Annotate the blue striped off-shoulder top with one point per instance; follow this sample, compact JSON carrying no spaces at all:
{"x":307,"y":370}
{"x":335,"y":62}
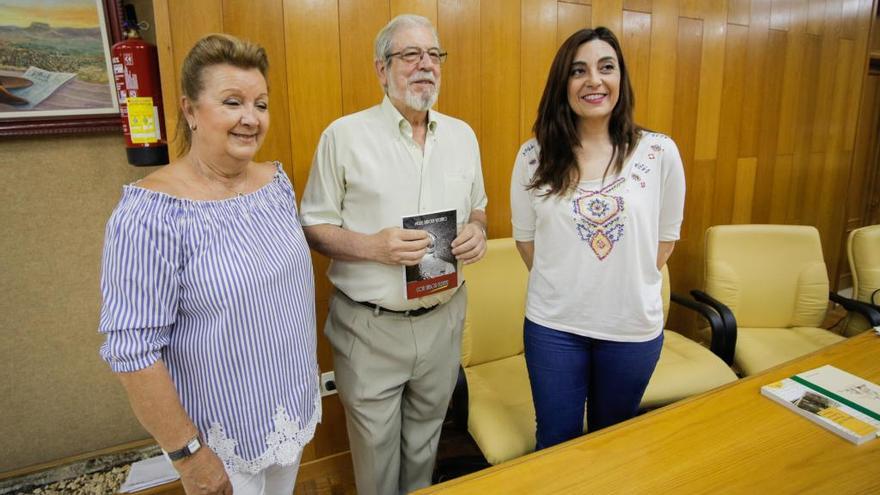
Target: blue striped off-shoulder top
{"x":223,"y":293}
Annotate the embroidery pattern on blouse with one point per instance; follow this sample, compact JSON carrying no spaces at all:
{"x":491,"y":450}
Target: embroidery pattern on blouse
{"x":598,"y":217}
{"x":283,"y":445}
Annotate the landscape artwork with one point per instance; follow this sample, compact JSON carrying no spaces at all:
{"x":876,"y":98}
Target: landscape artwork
{"x":54,"y":59}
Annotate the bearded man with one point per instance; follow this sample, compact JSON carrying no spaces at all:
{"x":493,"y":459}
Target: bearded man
{"x":396,"y":359}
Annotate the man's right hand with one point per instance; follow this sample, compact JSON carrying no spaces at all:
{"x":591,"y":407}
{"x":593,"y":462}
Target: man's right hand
{"x":397,"y":246}
{"x":203,"y":474}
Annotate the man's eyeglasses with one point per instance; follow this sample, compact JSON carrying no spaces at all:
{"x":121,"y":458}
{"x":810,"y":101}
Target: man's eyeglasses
{"x":412,"y":55}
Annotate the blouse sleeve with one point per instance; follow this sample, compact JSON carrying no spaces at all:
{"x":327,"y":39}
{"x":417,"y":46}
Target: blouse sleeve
{"x":521,"y":209}
{"x":672,"y":193}
{"x":139,"y":285}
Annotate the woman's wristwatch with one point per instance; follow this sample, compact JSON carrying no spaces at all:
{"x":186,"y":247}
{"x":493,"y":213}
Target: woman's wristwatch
{"x":189,"y":449}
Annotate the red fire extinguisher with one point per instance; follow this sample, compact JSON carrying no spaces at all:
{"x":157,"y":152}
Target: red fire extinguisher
{"x":136,"y":71}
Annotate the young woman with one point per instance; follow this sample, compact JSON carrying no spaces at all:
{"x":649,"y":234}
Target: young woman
{"x":597,"y":204}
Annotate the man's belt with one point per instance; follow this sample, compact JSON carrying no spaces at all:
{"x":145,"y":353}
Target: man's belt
{"x":377,"y":310}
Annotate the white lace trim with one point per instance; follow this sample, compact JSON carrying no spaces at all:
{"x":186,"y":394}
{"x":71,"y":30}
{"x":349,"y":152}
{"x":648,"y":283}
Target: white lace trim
{"x":283,"y":445}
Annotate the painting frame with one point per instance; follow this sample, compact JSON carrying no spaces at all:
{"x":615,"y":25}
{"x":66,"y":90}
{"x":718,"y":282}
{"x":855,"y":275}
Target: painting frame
{"x":81,"y":123}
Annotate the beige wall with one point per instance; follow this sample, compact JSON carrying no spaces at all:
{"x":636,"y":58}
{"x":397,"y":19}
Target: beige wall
{"x":57,"y":398}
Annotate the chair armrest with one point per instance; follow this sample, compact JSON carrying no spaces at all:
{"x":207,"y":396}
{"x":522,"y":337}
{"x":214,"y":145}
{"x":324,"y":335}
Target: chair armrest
{"x":868,"y":311}
{"x":723,"y":338}
{"x":728,"y":345}
{"x":459,"y":402}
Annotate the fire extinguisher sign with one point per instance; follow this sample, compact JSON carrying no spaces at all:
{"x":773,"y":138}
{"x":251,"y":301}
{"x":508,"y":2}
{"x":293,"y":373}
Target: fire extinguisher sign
{"x":142,"y":120}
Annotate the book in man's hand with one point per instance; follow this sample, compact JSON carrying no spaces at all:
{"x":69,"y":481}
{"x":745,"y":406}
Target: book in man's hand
{"x":438,"y":270}
{"x":832,"y":398}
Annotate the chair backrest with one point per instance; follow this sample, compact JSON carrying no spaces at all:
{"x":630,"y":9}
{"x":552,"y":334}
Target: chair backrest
{"x":497,"y":287}
{"x":770,"y":276}
{"x":863,"y":250}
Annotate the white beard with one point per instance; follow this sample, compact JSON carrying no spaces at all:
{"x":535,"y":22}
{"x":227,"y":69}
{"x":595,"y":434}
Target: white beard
{"x":420,"y":102}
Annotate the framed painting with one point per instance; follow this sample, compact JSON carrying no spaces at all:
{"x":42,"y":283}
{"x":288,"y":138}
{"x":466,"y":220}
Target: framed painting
{"x":55,"y":72}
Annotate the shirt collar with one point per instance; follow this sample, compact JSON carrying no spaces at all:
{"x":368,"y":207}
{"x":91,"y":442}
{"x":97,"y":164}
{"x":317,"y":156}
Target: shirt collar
{"x":399,"y":123}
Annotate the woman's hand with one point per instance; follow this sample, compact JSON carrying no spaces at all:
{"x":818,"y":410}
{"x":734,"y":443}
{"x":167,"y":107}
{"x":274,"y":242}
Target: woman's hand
{"x":203,"y":474}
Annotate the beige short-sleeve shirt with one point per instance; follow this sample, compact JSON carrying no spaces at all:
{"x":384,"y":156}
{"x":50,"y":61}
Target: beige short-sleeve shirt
{"x":368,"y":173}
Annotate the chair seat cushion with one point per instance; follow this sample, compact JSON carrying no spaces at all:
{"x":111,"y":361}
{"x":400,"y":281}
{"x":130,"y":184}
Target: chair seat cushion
{"x":685,"y":368}
{"x":501,"y":416}
{"x":760,"y":348}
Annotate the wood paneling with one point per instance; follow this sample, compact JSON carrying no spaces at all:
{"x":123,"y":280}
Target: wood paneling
{"x":571,"y":18}
{"x":359,"y":21}
{"x":262,"y":21}
{"x":460,"y":35}
{"x":500,"y":105}
{"x":538,"y":47}
{"x":762,"y":97}
{"x":636,"y":44}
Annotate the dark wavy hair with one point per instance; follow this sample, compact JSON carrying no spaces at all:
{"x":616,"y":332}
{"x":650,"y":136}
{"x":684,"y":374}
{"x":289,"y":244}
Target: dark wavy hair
{"x":556,"y":125}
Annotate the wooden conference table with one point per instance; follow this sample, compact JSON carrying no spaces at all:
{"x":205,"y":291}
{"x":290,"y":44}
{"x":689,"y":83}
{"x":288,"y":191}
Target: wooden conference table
{"x":730,"y":440}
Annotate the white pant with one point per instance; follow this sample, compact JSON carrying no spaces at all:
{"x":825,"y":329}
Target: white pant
{"x":274,"y":480}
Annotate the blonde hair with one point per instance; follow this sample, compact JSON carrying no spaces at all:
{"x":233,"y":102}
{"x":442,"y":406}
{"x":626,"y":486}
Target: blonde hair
{"x":214,"y":49}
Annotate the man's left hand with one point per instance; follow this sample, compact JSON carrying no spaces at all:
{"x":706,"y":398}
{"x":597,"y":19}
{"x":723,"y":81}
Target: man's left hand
{"x":470,"y":245}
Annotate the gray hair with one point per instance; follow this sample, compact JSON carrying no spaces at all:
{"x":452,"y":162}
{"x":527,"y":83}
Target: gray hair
{"x":386,"y":35}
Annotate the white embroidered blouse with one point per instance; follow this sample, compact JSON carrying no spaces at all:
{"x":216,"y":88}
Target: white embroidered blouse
{"x":594,"y":270}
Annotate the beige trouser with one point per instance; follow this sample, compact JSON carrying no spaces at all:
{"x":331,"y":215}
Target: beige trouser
{"x":395,"y":375}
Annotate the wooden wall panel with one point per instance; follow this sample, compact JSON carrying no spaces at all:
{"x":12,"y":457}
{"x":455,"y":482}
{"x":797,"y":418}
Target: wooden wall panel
{"x":168,"y":69}
{"x":314,"y":77}
{"x":571,"y":18}
{"x":637,"y":6}
{"x":711,"y":80}
{"x":359,"y":22}
{"x":816,"y":17}
{"x":738,"y":12}
{"x":500,"y":23}
{"x":314,"y":85}
{"x":461,"y":90}
{"x":425,"y":8}
{"x":768,"y":127}
{"x":762,"y":97}
{"x":538,"y":48}
{"x":262,"y":21}
{"x":460,"y":32}
{"x":788,"y":104}
{"x":755,"y":76}
{"x":684,"y":115}
{"x":728,"y":133}
{"x":635,"y":41}
{"x":608,"y":14}
{"x":661,"y":88}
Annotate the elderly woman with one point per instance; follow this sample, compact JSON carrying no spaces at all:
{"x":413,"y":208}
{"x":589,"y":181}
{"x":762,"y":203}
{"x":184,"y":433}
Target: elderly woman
{"x":208,"y":290}
{"x":597,"y":204}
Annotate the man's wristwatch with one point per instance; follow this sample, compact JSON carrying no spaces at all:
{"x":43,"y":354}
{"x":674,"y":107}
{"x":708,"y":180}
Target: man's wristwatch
{"x":189,"y":449}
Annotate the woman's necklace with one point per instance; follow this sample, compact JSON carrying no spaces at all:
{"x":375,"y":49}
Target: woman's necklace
{"x":212,"y":184}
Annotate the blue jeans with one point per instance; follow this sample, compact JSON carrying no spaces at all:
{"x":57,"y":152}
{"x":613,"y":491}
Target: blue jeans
{"x":567,"y":370}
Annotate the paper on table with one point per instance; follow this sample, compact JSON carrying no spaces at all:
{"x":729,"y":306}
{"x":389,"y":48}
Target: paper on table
{"x":148,"y":473}
{"x":45,"y":83}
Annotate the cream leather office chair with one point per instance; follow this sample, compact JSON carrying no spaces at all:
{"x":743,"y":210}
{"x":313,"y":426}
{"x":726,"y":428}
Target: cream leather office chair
{"x":493,"y":397}
{"x":685,"y":368}
{"x":863,"y":251}
{"x":770,"y":284}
